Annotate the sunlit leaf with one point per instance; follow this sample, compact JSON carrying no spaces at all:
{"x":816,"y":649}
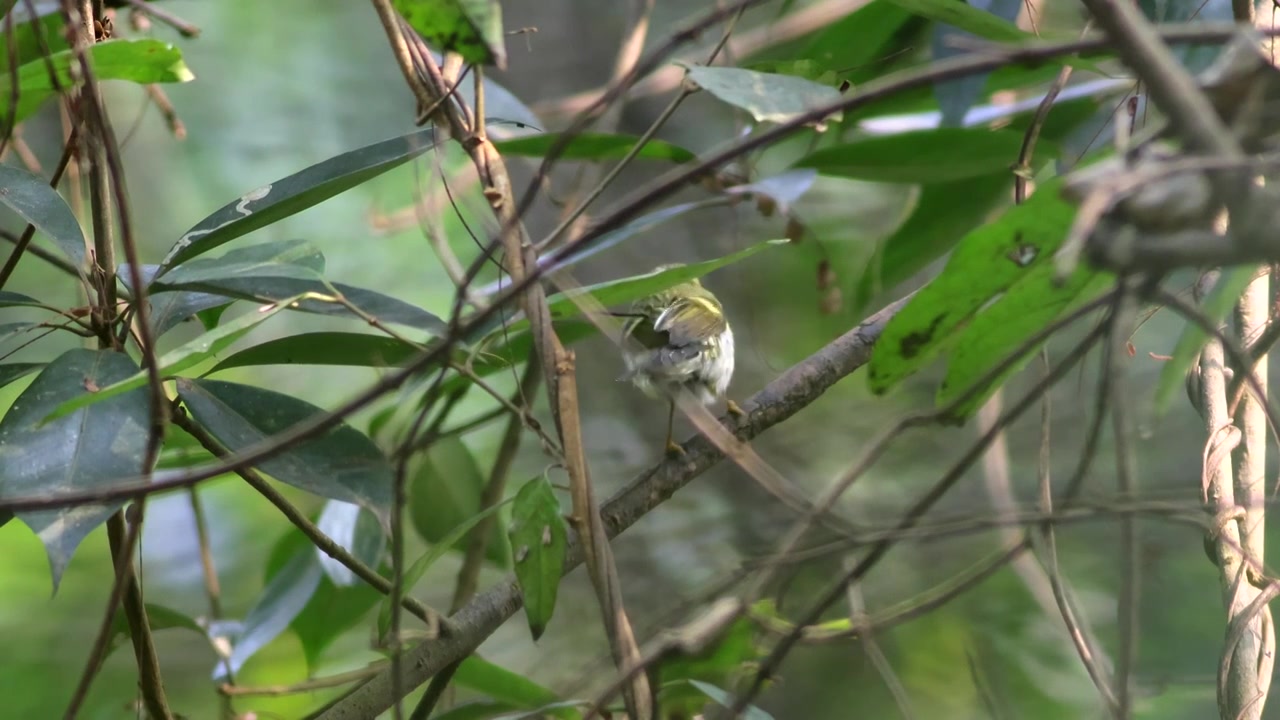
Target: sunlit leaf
{"x":539,"y":538}
{"x":31,"y":197}
{"x":181,"y":358}
{"x":340,"y":464}
{"x":90,"y":448}
{"x":295,"y":193}
{"x":444,"y":493}
{"x":471,"y":28}
{"x":927,"y":156}
{"x":281,"y":600}
{"x":140,"y":61}
{"x":594,"y":146}
{"x":1231,"y":284}
{"x":768,"y":97}
{"x":985,"y":264}
{"x":357,"y":531}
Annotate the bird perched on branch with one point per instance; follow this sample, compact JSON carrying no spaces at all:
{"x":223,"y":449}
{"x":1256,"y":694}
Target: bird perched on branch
{"x":679,"y":340}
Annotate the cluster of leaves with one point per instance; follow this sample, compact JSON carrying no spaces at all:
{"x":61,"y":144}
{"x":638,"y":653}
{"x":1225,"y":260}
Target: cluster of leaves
{"x":997,"y":289}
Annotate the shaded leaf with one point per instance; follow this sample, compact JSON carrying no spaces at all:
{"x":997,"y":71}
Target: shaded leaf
{"x":1231,"y":284}
{"x":444,"y":493}
{"x":295,"y":193}
{"x":159,"y":617}
{"x":539,"y":538}
{"x":594,"y":146}
{"x":943,"y":214}
{"x":13,"y":299}
{"x":341,"y":463}
{"x":957,"y":95}
{"x":927,"y":156}
{"x":986,"y":263}
{"x":281,"y":600}
{"x":784,"y":188}
{"x":331,"y":612}
{"x":860,"y":45}
{"x":140,"y":61}
{"x":501,"y":684}
{"x":768,"y":97}
{"x":471,"y":28}
{"x":31,"y":37}
{"x":963,"y":16}
{"x":31,"y":197}
{"x":325,"y":348}
{"x":16,"y":371}
{"x":274,"y":271}
{"x":724,"y":699}
{"x":179,"y":359}
{"x":357,"y":531}
{"x":419,"y":567}
{"x":170,"y":309}
{"x":92,"y":447}
{"x":476,"y":710}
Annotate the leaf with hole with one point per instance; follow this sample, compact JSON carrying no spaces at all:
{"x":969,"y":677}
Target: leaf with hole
{"x":90,"y":448}
{"x":927,"y":156}
{"x":181,"y":358}
{"x":444,"y":492}
{"x":273,"y":271}
{"x":768,"y":97}
{"x":340,"y":463}
{"x":31,"y":197}
{"x":141,"y":61}
{"x":539,"y":538}
{"x":985,"y":263}
{"x":283,"y":598}
{"x":594,"y":146}
{"x":471,"y":28}
{"x":290,"y":195}
{"x":1230,"y":285}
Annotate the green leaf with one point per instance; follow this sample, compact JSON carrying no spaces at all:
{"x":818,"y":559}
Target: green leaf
{"x":927,"y":156}
{"x":594,"y":146}
{"x":437,"y":550}
{"x":341,"y":464}
{"x":159,"y":617}
{"x":471,"y":28}
{"x":90,"y":448}
{"x":10,"y":372}
{"x":170,"y":309}
{"x":768,"y":97}
{"x":855,"y":47}
{"x":444,"y":493}
{"x":986,"y":263}
{"x":501,"y":684}
{"x":942,"y":215}
{"x":31,"y":37}
{"x":539,"y":538}
{"x":140,"y":61}
{"x":175,"y":361}
{"x":1231,"y":284}
{"x":31,"y":197}
{"x":284,"y":597}
{"x":273,"y":271}
{"x":722,"y":698}
{"x":476,"y":710}
{"x":965,"y":17}
{"x":357,"y":531}
{"x":325,"y":348}
{"x":295,"y":193}
{"x":13,"y":299}
{"x":1026,"y":308}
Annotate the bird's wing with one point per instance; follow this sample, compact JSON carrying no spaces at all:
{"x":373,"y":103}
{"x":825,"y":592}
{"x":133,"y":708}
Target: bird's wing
{"x":691,"y":320}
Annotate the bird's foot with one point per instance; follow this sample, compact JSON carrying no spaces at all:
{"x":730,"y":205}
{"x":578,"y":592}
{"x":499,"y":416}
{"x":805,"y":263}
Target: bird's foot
{"x":734,"y":410}
{"x":674,"y":449}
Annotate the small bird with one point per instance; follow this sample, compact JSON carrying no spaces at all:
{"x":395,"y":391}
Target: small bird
{"x":682,"y":341}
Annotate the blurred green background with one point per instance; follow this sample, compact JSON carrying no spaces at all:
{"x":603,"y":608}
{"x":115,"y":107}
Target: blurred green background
{"x":285,"y":84}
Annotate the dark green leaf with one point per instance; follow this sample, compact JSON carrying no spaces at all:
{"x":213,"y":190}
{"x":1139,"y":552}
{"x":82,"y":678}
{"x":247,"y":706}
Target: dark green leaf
{"x":341,"y":464}
{"x":331,"y":612}
{"x":501,"y":684}
{"x":471,"y":28}
{"x":942,"y":215}
{"x":171,"y":308}
{"x":965,"y":17}
{"x":420,"y":566}
{"x":274,"y":271}
{"x":357,"y":531}
{"x":31,"y":197}
{"x":985,"y":264}
{"x":539,"y":538}
{"x":91,"y":448}
{"x":295,"y":193}
{"x":159,"y":617}
{"x":477,"y":710}
{"x":1003,"y":327}
{"x":853,"y":47}
{"x":16,"y":371}
{"x":140,"y":61}
{"x":594,"y":146}
{"x":957,"y":95}
{"x":282,"y":599}
{"x":927,"y":156}
{"x":325,"y":348}
{"x":723,"y":698}
{"x":178,"y":359}
{"x":13,"y":299}
{"x":1231,"y":284}
{"x":768,"y":97}
{"x":445,"y":493}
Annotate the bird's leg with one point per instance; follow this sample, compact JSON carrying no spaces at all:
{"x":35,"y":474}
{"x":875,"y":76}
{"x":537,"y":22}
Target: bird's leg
{"x":673,"y":448}
{"x":732,"y":408}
